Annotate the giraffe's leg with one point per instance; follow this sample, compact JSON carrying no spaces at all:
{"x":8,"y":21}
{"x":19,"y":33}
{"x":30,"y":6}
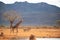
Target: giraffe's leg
{"x":10,"y":30}
{"x":16,"y":30}
{"x":13,"y":30}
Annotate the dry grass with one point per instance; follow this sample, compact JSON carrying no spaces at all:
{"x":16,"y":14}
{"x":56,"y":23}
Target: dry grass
{"x":27,"y":31}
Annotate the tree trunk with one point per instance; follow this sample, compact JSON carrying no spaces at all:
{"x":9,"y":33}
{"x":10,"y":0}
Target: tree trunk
{"x":11,"y":24}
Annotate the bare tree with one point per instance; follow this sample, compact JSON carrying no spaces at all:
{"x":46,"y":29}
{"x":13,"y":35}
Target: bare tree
{"x":12,"y":16}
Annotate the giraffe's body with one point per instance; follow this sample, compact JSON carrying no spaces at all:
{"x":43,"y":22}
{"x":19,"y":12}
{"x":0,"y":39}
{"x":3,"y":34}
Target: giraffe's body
{"x":16,"y":26}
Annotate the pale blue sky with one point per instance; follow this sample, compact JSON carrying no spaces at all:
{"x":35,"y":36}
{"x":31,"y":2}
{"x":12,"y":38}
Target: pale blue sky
{"x":53,"y":2}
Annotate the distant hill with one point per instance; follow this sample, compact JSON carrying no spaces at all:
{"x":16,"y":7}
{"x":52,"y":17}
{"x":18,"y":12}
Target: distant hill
{"x":33,"y":13}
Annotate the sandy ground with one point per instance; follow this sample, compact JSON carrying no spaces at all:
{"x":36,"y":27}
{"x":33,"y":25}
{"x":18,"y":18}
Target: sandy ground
{"x":26,"y":32}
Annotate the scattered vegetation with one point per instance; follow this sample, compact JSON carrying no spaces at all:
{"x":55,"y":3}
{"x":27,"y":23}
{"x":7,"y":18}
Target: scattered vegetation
{"x":58,"y":23}
{"x":2,"y":26}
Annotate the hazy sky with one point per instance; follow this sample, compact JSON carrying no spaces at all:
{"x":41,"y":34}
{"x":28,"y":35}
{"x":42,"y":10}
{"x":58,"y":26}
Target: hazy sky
{"x":53,"y":2}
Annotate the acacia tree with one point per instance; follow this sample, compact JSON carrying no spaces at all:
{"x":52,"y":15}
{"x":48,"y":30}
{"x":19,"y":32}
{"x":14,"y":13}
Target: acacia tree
{"x":12,"y":16}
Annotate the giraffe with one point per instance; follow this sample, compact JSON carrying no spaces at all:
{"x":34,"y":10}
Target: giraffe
{"x":16,"y":26}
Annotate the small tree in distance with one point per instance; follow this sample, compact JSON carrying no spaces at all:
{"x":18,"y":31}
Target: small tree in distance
{"x":58,"y":23}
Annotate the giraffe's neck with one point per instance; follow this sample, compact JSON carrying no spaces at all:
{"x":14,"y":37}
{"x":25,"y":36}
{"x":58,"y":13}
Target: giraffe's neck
{"x":17,"y":24}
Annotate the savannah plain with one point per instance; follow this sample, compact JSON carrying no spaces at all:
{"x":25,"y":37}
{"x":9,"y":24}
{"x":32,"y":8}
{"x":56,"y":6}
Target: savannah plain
{"x":26,"y":31}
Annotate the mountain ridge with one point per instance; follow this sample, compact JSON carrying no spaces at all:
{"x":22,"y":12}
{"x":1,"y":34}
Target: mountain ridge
{"x":33,"y":13}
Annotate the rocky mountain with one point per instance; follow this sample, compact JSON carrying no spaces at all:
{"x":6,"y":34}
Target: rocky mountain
{"x":33,"y":13}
